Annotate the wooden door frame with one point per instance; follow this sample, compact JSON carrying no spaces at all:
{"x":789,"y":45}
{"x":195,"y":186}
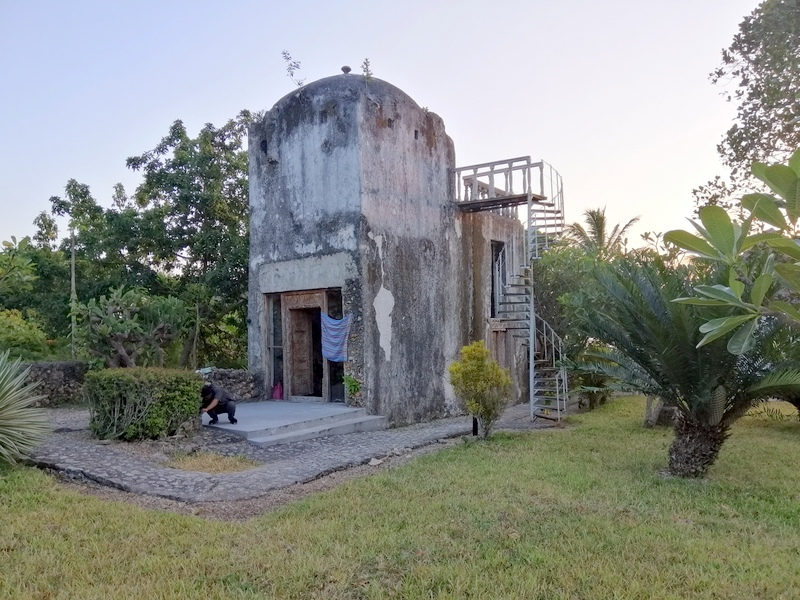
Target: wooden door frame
{"x":296,"y":301}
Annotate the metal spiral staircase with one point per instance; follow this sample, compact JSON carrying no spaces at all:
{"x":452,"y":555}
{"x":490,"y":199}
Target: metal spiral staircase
{"x":506,"y":187}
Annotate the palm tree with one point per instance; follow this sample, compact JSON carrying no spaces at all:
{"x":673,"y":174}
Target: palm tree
{"x":595,"y":238}
{"x":652,"y":348}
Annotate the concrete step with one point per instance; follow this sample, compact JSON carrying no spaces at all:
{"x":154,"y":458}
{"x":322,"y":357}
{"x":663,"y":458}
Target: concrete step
{"x":257,"y":420}
{"x":356,"y":425}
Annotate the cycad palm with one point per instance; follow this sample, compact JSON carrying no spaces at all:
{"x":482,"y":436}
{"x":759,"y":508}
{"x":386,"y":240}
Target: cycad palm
{"x":595,"y":237}
{"x":652,"y":345}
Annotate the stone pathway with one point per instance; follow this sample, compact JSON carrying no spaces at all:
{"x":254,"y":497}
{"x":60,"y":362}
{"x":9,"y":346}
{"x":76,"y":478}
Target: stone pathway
{"x":282,"y":465}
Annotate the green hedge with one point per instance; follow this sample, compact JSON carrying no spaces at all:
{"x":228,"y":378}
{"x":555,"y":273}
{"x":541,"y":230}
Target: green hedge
{"x":139,"y":403}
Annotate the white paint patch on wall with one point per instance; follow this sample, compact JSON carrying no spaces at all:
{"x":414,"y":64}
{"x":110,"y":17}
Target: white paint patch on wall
{"x":383,"y":305}
{"x":378,"y":239}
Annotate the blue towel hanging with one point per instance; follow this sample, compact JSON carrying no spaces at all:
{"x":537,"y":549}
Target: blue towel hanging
{"x":334,"y":337}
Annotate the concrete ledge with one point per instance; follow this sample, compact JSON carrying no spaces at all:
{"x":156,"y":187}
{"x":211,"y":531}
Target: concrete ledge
{"x":316,"y":272}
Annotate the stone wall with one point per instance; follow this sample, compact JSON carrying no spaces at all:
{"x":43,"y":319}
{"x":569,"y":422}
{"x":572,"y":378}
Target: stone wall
{"x":242,"y":385}
{"x":59,"y":382}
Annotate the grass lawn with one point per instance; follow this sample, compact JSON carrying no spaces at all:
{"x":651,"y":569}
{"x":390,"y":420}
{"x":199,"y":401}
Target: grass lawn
{"x":573,"y":513}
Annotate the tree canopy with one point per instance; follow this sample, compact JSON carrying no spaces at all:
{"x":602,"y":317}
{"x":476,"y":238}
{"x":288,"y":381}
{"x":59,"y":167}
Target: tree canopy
{"x":760,"y":73}
{"x":183,"y":233}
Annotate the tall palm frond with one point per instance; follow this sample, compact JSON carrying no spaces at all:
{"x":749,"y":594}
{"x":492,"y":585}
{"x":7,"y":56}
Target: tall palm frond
{"x":653,"y":346}
{"x":595,"y":237}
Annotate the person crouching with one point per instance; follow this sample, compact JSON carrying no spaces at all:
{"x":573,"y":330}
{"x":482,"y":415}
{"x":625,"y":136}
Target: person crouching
{"x":216,"y":401}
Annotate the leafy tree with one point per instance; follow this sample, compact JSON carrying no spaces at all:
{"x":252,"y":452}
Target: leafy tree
{"x":756,"y":292}
{"x":130,"y":327}
{"x":113,"y":246}
{"x":760,"y":72}
{"x":595,"y":237}
{"x":21,"y":337}
{"x":184,"y":234}
{"x":482,"y":385}
{"x":198,"y":189}
{"x":653,"y":348}
{"x":46,"y":235}
{"x":564,"y":288}
{"x":16,"y":269}
{"x":48,"y":296}
{"x":562,"y":273}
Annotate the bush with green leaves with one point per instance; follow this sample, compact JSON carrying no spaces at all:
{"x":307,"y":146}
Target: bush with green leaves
{"x":481,"y":384}
{"x":140,"y":403}
{"x":22,"y":337}
{"x":22,"y":426}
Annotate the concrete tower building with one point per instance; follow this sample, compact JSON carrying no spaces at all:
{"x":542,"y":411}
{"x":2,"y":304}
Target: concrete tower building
{"x":353,"y":212}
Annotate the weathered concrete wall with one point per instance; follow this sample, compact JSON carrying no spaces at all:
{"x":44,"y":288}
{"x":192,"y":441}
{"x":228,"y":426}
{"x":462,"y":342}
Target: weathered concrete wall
{"x":408,"y":287}
{"x":483,"y":229}
{"x":304,"y":198}
{"x":59,"y":382}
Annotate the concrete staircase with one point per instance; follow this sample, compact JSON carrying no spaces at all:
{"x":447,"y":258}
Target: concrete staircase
{"x":275,"y":422}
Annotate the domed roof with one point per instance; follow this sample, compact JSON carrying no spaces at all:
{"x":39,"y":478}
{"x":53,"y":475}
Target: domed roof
{"x":349,"y":87}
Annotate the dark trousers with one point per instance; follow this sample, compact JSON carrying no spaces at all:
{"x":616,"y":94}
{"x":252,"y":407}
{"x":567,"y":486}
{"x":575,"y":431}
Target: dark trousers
{"x":229,"y":407}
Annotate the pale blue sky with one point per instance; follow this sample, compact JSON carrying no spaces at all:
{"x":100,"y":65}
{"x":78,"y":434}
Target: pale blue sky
{"x":613,"y":93}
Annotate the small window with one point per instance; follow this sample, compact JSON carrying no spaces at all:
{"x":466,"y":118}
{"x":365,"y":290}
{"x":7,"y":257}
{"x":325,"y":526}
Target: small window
{"x":499,"y":277}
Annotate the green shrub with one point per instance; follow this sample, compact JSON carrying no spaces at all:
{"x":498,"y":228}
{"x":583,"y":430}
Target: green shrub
{"x":141,"y":403}
{"x":593,"y":390}
{"x":22,"y":337}
{"x":481,"y":384}
{"x":351,"y":385}
{"x":22,"y":426}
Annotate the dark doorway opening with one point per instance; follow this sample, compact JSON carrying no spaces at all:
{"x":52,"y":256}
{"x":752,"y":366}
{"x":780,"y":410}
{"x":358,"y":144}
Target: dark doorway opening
{"x":336,"y":369}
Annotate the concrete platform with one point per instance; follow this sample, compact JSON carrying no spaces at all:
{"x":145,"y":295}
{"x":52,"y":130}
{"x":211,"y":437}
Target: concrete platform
{"x":279,"y":422}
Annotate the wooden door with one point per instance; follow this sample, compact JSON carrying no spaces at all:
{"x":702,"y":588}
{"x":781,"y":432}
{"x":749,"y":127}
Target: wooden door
{"x":302,"y":353}
{"x":298,"y":310}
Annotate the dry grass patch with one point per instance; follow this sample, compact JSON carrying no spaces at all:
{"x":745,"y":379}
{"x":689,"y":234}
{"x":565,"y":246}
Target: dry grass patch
{"x":208,"y":462}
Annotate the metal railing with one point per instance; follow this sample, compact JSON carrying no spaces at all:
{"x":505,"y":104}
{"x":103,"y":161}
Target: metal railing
{"x":498,"y":179}
{"x":546,"y":354}
{"x":546,"y":221}
{"x":535,"y":184}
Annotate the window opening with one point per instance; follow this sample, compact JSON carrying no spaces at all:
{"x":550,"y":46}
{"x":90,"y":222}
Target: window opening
{"x":499,"y":277}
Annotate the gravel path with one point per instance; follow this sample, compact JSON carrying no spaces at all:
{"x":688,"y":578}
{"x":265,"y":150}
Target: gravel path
{"x":133,"y":472}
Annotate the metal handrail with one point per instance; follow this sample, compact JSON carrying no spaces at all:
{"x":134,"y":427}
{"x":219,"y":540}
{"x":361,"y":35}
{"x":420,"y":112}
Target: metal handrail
{"x":546,"y":224}
{"x":553,"y":353}
{"x":480,"y":181}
